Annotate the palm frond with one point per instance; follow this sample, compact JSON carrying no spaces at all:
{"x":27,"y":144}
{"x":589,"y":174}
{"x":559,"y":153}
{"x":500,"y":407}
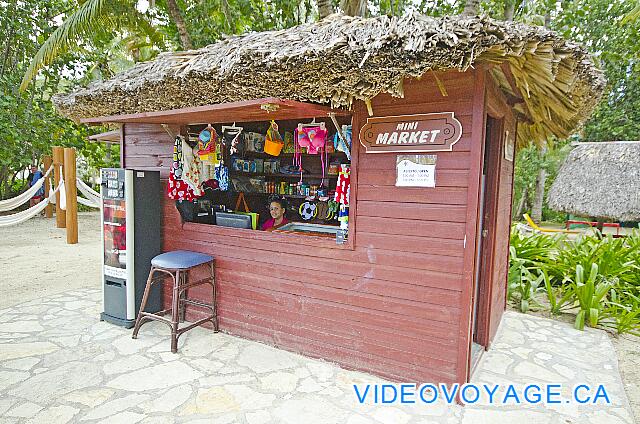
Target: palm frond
{"x":633,"y":15}
{"x":79,"y":23}
{"x":138,"y":23}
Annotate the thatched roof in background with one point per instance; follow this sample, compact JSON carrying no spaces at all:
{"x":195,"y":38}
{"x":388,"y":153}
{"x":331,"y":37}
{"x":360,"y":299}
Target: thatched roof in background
{"x":343,"y":58}
{"x":601,"y":180}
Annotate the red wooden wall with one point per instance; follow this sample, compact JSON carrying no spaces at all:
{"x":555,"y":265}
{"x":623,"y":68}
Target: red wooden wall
{"x":397,"y":304}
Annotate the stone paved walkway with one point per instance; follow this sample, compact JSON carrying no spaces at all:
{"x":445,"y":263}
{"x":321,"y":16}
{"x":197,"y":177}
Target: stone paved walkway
{"x":59,"y":364}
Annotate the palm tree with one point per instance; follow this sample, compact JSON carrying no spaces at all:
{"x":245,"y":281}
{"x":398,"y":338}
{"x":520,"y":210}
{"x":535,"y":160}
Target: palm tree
{"x":92,"y":17}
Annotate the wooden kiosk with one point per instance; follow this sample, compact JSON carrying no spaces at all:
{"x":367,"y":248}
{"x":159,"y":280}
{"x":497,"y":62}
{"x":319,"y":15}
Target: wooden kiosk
{"x":418,"y":290}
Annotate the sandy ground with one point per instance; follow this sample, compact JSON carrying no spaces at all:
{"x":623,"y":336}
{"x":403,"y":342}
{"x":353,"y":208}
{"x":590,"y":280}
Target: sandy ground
{"x":36,"y":249}
{"x":628,"y":350}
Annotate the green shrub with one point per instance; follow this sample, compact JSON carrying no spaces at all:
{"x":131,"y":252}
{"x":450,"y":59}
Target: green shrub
{"x":622,"y":315}
{"x":613,"y":257}
{"x":590,"y":295}
{"x":609,"y":296}
{"x":522,"y":284}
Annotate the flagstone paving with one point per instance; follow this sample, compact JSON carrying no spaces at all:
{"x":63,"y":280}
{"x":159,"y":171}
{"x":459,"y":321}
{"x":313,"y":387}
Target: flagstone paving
{"x":60,"y":364}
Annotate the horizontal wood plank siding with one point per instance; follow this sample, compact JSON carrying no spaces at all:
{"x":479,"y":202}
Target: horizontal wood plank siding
{"x":149,"y":147}
{"x":390,"y":305}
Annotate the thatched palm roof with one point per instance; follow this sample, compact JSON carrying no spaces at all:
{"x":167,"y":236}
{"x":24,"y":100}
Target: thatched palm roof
{"x":601,"y":180}
{"x":343,"y":58}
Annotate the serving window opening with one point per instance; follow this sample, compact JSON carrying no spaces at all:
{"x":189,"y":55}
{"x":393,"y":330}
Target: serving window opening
{"x":284,"y":176}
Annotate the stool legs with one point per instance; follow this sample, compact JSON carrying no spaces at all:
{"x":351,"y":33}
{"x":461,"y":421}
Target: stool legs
{"x":179,"y":299}
{"x":175,"y":306}
{"x":213,"y":295}
{"x":184,"y":294}
{"x":145,"y":296}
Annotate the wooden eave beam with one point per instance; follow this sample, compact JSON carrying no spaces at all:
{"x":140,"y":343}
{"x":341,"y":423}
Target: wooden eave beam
{"x":242,"y":111}
{"x":107,"y":137}
{"x":506,"y":70}
{"x":517,"y":97}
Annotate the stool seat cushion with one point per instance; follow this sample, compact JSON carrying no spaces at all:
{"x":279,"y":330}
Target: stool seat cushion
{"x":180,"y":259}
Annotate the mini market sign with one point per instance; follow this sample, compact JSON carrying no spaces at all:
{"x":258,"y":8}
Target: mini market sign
{"x":428,"y":132}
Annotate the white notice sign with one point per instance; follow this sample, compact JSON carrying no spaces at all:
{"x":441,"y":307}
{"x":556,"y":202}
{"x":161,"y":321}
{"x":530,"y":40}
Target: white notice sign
{"x":416,"y":170}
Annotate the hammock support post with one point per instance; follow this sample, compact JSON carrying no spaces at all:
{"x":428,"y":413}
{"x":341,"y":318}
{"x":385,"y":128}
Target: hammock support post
{"x":71,"y":191}
{"x":58,"y":162}
{"x":48,"y":211}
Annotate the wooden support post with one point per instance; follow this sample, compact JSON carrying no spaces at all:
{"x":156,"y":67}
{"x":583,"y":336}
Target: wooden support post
{"x":58,"y":164}
{"x":72,"y":194}
{"x":48,"y":211}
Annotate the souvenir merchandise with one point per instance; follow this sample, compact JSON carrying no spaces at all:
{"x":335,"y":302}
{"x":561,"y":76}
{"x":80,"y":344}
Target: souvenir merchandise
{"x":343,"y":185}
{"x":237,"y":164}
{"x":291,"y":170}
{"x":334,"y":168}
{"x":222,"y":176}
{"x":187,"y":210}
{"x":308,"y":210}
{"x":344,"y":145}
{"x":259,"y":165}
{"x":211,"y":184}
{"x":289,"y":146}
{"x":254,"y":142}
{"x":343,"y":217}
{"x":271,"y":166}
{"x":273,"y":141}
{"x":208,"y":171}
{"x":314,"y":139}
{"x":249,"y":167}
{"x":208,"y":146}
{"x":333,"y":209}
{"x":322,"y":210}
{"x":233,"y":138}
{"x":254,"y":215}
{"x":176,"y":188}
{"x":191,"y":165}
{"x":330,"y":146}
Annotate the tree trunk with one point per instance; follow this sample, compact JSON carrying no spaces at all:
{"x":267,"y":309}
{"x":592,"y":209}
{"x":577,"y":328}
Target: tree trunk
{"x":522,"y":203}
{"x":324,"y":8}
{"x":538,"y":196}
{"x":354,"y":7}
{"x":175,"y":14}
{"x":471,"y":8}
{"x":509,"y":9}
{"x":547,"y":19}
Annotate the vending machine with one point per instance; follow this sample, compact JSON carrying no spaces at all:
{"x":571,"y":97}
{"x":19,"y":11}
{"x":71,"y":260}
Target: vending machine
{"x":131,"y":215}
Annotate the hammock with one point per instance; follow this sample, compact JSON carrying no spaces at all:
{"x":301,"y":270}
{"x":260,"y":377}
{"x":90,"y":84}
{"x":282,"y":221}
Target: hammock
{"x":91,"y":195}
{"x":14,"y":202}
{"x":17,"y":218}
{"x":88,"y":202}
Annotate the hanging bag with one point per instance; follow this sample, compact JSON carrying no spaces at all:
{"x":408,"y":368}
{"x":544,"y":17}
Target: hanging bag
{"x":254,"y":215}
{"x":208,"y":148}
{"x":177,"y":189}
{"x":273,"y":142}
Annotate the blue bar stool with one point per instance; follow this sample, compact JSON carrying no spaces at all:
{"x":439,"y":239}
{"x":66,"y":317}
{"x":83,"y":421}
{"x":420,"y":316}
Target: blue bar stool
{"x":177,"y":264}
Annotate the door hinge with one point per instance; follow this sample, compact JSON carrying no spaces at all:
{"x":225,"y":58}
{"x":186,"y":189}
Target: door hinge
{"x":464,"y":243}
